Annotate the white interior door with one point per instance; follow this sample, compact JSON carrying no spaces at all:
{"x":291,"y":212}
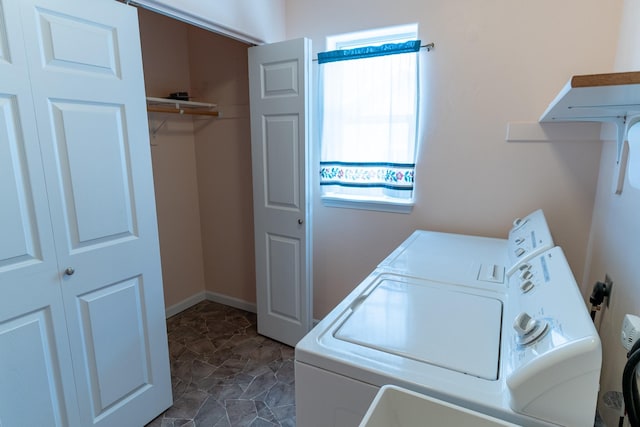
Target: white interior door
{"x":88,"y":90}
{"x":279,"y":92}
{"x":36,"y":376}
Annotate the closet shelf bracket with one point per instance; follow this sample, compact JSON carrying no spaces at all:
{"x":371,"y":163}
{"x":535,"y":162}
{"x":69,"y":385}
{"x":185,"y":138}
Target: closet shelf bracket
{"x":155,"y":131}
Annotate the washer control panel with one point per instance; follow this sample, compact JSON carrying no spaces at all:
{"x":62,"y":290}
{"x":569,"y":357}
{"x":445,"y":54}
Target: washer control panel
{"x":529,"y":275}
{"x":552,"y":348}
{"x":528,"y":237}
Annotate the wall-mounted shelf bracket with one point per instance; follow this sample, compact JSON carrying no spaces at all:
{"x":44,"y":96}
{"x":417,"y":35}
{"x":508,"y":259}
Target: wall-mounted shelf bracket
{"x":623,"y":126}
{"x":155,"y":130}
{"x":604,"y":98}
{"x":623,"y":153}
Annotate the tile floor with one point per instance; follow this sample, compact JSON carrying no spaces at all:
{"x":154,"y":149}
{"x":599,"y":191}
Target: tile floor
{"x":224,"y":374}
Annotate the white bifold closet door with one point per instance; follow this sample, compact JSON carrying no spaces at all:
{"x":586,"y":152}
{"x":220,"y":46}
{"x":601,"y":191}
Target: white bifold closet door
{"x":82,"y":326}
{"x":281,"y":164}
{"x":36,"y":376}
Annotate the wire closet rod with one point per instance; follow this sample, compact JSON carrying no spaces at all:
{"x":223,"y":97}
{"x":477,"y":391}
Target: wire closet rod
{"x":427,"y":46}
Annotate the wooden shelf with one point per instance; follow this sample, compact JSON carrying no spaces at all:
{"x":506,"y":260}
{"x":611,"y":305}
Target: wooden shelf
{"x":597,"y":98}
{"x":609,"y":79}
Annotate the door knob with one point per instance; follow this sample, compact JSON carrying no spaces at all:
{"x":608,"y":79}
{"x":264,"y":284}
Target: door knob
{"x":69,"y":271}
{"x":300,"y":221}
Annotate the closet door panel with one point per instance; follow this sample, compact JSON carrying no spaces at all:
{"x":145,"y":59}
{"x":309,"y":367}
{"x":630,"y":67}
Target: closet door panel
{"x":59,"y":36}
{"x":36,"y":376}
{"x":91,"y":112}
{"x":118,"y":357}
{"x":18,"y":226}
{"x":30,"y":379}
{"x":24,"y":223}
{"x":101,"y":166}
{"x":4,"y":37}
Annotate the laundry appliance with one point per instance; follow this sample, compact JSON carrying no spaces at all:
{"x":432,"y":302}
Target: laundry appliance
{"x":469,"y":259}
{"x":469,"y":320}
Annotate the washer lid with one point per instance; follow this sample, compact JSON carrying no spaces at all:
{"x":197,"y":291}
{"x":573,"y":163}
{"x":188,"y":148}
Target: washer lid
{"x":434,"y":324}
{"x":452,"y":258}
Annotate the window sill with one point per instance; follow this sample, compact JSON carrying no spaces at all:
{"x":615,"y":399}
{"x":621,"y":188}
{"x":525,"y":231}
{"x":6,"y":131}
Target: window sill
{"x":381,"y":205}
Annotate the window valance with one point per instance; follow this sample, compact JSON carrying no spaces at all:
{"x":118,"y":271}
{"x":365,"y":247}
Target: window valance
{"x":368,"y":51}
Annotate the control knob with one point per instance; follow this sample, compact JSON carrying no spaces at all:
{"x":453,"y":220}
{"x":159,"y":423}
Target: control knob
{"x":526,"y":274}
{"x":526,"y":286}
{"x":529,"y":329}
{"x":519,"y":222}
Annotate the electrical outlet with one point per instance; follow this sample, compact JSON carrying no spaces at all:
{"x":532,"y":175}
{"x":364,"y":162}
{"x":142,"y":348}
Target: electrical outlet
{"x":609,"y":283}
{"x":630,"y":331}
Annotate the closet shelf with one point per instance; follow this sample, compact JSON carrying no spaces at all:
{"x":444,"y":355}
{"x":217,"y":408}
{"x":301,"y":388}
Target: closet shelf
{"x":177,"y":106}
{"x":611,"y":98}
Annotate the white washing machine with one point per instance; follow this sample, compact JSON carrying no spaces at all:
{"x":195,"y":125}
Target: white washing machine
{"x":470,"y":259}
{"x":518,"y":346}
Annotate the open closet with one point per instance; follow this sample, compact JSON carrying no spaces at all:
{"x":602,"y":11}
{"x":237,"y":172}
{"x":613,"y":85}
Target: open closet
{"x":201,"y":162}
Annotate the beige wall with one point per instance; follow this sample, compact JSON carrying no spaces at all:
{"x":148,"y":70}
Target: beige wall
{"x":615,"y":233}
{"x":166,"y":69}
{"x":202,"y":166}
{"x":223,"y":152}
{"x":494,"y":62}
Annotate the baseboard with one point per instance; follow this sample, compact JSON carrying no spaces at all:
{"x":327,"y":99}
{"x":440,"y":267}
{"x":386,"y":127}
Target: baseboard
{"x":184,"y":304}
{"x":211,"y":296}
{"x":231,"y":301}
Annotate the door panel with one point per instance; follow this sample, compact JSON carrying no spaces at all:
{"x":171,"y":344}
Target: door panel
{"x":18,"y":226}
{"x":59,"y":36}
{"x":282,"y":169}
{"x":117,"y":355}
{"x":30,"y":372}
{"x":101,"y":166}
{"x":278,"y":88}
{"x":4,"y":36}
{"x":280,"y":78}
{"x":36,"y":376}
{"x":91,"y":112}
{"x":283,"y":299}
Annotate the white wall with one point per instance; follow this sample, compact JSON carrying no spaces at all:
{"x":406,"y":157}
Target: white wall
{"x":252,"y":21}
{"x":494,"y":62}
{"x":615,"y":234}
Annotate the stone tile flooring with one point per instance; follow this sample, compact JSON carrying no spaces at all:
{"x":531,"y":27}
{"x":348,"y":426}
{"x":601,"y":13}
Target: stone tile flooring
{"x":224,"y":374}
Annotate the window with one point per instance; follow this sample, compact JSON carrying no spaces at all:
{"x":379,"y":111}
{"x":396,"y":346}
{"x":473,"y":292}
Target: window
{"x":369,"y":119}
